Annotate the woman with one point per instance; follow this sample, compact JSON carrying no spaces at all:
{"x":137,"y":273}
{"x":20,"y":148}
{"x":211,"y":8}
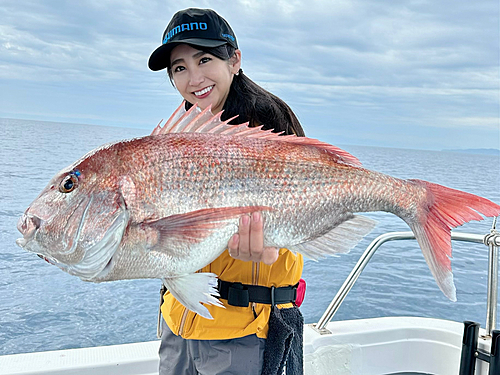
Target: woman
{"x":201,"y":55}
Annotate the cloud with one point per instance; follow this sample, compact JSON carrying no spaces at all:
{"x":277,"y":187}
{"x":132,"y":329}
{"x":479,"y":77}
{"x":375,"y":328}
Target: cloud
{"x":425,"y":63}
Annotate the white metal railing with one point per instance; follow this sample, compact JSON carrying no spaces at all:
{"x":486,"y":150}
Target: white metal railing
{"x":492,"y":240}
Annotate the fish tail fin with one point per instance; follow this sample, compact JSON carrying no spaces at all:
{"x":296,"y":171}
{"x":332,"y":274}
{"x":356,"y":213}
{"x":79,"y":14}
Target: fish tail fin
{"x":443,"y":210}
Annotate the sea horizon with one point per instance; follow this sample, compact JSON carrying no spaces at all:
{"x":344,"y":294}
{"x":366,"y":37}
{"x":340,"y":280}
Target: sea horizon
{"x":483,"y":151}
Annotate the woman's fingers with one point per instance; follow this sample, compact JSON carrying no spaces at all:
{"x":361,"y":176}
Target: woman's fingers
{"x":248,"y":243}
{"x":256,"y":237}
{"x":244,"y":238}
{"x":233,"y":245}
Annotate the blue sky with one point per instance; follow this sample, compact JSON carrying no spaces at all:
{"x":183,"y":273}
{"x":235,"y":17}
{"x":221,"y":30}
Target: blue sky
{"x":410,"y":74}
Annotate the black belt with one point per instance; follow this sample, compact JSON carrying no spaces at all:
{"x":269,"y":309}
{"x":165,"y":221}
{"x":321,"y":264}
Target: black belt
{"x":238,"y":294}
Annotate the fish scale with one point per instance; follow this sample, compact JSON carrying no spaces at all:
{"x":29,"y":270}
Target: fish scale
{"x":165,"y":205}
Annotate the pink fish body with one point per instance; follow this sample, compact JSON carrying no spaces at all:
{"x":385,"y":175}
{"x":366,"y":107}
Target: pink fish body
{"x":165,"y":205}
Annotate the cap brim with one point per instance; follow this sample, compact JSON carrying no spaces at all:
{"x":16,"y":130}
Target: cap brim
{"x":160,"y":58}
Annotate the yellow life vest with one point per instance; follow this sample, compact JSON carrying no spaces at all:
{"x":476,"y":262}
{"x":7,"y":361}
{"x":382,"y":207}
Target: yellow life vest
{"x":232,"y":321}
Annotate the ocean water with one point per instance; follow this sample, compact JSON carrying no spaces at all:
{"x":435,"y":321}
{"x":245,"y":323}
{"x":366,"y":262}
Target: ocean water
{"x":43,"y":308}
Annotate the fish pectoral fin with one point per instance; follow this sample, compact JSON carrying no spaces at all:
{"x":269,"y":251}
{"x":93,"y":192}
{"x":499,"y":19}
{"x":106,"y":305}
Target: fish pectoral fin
{"x":195,"y":226}
{"x":194,"y":289}
{"x":339,"y":240}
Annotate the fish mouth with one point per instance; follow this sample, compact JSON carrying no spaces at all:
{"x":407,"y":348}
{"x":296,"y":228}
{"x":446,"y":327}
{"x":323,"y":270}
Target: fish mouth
{"x":28,"y":225}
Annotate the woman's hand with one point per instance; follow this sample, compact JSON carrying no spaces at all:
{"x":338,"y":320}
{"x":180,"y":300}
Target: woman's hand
{"x":248,"y":243}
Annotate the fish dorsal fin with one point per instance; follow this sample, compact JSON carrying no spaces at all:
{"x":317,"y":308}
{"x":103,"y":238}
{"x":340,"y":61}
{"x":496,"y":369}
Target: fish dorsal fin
{"x":196,"y":120}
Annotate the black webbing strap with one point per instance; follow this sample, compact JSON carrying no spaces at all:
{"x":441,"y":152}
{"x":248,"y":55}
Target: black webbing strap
{"x":238,"y":294}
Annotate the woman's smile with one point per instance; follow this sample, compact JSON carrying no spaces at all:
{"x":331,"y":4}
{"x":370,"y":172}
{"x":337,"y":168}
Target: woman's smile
{"x":201,"y":94}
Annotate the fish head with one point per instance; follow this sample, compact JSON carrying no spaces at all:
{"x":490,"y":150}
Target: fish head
{"x":76,"y":223}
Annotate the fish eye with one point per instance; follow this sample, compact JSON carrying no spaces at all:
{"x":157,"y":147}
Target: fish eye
{"x":68,"y":184}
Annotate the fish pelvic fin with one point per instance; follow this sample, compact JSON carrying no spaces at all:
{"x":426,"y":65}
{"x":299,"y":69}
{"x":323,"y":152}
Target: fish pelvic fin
{"x":193,"y":290}
{"x":196,"y":120}
{"x":197,"y":225}
{"x":338,"y":240}
{"x":445,"y":209}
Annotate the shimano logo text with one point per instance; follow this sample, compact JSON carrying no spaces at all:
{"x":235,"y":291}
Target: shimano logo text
{"x":184,"y":27}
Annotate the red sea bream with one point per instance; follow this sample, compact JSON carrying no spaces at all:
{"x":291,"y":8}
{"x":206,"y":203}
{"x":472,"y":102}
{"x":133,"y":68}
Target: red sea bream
{"x":165,"y":205}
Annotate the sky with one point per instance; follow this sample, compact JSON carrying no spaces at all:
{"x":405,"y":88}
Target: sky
{"x":408,"y":73}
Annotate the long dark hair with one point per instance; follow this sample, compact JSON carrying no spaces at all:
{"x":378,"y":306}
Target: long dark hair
{"x":250,"y":102}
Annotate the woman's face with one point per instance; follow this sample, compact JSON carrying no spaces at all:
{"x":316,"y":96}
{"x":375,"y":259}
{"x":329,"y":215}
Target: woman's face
{"x":201,"y":77}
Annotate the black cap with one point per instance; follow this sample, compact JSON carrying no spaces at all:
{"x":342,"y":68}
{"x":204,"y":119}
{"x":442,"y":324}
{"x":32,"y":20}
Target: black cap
{"x":197,"y":27}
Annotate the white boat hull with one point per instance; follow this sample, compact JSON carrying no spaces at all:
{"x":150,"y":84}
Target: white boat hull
{"x":377,"y":346}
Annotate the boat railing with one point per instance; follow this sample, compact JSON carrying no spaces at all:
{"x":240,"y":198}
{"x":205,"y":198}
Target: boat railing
{"x":492,"y":240}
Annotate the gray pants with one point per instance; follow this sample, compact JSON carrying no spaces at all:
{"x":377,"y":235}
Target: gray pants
{"x":243,"y":355}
